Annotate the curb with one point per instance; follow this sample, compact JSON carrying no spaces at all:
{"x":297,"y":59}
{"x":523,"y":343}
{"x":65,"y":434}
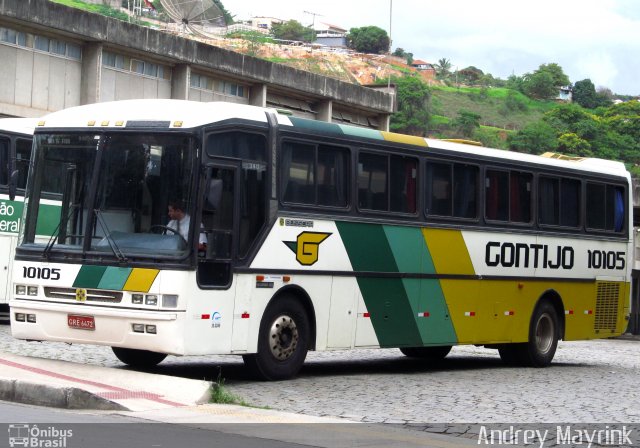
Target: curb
{"x":57,"y":397}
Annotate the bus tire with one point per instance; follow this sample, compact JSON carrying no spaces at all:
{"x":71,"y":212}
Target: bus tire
{"x":431,"y":353}
{"x":543,"y":336}
{"x":283,"y":341}
{"x":138,"y":359}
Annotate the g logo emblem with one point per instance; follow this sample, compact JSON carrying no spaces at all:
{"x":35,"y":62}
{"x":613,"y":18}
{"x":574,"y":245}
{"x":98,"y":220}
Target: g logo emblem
{"x":81,"y":295}
{"x":307,"y":246}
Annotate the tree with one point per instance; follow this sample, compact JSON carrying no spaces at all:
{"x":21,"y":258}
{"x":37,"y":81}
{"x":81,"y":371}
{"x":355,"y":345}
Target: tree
{"x":414,"y":106}
{"x":584,"y":94}
{"x":466,"y":123}
{"x":470,"y":75}
{"x":536,"y":138}
{"x":400,"y":53}
{"x":540,"y":85}
{"x":572,"y":144}
{"x":443,"y":68}
{"x":292,"y":30}
{"x":545,"y":82}
{"x":368,"y":39}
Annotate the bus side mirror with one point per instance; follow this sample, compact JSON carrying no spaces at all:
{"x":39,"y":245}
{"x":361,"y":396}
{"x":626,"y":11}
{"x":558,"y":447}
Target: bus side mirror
{"x":13,"y":185}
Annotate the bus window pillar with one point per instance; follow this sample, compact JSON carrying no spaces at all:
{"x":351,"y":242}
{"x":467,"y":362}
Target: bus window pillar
{"x":258,"y":95}
{"x":325,"y":111}
{"x":90,"y":86}
{"x":180,"y":82}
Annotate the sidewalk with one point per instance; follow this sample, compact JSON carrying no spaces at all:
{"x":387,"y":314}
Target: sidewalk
{"x":158,"y":398}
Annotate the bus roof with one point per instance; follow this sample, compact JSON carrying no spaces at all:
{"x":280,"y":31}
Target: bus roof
{"x":22,"y":126}
{"x":171,"y":114}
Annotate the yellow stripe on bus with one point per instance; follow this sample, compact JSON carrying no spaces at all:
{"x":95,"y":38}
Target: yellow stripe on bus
{"x":401,"y":138}
{"x":448,"y":251}
{"x":141,"y":280}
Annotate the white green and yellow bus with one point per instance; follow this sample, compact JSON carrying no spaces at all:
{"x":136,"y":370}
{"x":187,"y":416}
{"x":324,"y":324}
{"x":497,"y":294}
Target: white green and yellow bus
{"x":319,"y":236}
{"x":15,"y":151}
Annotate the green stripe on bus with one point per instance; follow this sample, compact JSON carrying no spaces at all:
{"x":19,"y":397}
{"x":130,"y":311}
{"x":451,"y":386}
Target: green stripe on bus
{"x":89,"y":276}
{"x":317,"y":126}
{"x":114,"y":278}
{"x":425,"y":295}
{"x":386,"y":298}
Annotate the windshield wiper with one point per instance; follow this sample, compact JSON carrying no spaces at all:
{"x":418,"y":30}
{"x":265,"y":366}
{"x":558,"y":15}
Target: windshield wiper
{"x":107,"y":234}
{"x":56,"y":232}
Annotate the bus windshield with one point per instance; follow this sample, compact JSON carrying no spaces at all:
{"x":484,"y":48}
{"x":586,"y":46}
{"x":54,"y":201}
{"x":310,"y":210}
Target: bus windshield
{"x":116,"y":189}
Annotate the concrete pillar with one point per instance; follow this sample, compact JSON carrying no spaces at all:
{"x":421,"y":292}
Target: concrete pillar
{"x":91,"y":76}
{"x":383,"y":122}
{"x":180,"y":82}
{"x":258,"y":95}
{"x":325,"y":111}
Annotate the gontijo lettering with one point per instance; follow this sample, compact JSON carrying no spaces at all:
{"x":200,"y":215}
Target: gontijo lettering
{"x":520,"y":255}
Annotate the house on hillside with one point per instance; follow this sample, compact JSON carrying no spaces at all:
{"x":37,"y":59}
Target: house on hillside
{"x":330,"y":35}
{"x":265,"y":23}
{"x":565,"y":94}
{"x":427,"y":70}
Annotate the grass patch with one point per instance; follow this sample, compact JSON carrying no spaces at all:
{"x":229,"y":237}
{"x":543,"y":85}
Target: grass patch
{"x":95,"y":8}
{"x":220,"y":394}
{"x":498,"y":107}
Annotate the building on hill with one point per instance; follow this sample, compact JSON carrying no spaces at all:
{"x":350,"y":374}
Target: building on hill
{"x":330,"y":35}
{"x":55,"y":57}
{"x":265,"y":23}
{"x":427,"y":70}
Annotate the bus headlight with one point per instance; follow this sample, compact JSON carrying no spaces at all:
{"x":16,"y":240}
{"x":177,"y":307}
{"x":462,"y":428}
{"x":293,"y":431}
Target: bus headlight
{"x":138,"y":328}
{"x":21,"y":290}
{"x":32,"y":290}
{"x":136,"y":299}
{"x":151,"y":299}
{"x":170,"y":301}
{"x":21,"y":317}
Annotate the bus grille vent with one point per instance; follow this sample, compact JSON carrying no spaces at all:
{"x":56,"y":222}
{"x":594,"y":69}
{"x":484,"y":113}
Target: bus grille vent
{"x":607,"y":306}
{"x":93,"y":295}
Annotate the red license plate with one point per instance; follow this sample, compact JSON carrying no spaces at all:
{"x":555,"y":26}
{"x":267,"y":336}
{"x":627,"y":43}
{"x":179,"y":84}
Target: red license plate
{"x":81,"y":322}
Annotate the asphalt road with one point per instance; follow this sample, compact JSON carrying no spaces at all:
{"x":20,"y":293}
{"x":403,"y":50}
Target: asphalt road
{"x":589,"y":381}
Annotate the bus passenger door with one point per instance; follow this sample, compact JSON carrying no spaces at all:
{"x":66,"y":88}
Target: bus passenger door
{"x":220,"y":222}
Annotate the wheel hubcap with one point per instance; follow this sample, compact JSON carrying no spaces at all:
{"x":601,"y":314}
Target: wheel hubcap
{"x":544,"y":333}
{"x":283,"y":337}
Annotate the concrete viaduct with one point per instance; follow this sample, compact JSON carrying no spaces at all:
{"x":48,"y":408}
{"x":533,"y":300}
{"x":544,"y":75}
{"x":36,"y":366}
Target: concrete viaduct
{"x":53,"y":57}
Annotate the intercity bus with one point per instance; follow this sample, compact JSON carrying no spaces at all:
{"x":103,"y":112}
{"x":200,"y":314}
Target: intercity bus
{"x":15,"y":151}
{"x":320,"y":236}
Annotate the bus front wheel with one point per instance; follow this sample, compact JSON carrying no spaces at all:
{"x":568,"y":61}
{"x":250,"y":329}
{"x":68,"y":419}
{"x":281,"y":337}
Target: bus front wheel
{"x":283,"y":341}
{"x":431,"y":353}
{"x":138,"y":359}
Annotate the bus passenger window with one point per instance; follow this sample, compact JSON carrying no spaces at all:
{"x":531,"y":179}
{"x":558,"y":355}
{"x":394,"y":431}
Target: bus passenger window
{"x":508,"y":196}
{"x":298,"y":168}
{"x":372,"y":182}
{"x":402,"y":177}
{"x":605,"y":207}
{"x":439,"y":189}
{"x":497,"y":195}
{"x":558,"y":202}
{"x":465,"y":191}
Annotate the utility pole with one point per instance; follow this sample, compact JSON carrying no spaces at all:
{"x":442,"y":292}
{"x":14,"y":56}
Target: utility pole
{"x":313,"y":25}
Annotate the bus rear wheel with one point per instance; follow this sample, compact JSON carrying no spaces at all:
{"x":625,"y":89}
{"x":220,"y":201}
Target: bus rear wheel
{"x":283,"y":341}
{"x":138,"y":359}
{"x":543,"y":337}
{"x":432,"y":353}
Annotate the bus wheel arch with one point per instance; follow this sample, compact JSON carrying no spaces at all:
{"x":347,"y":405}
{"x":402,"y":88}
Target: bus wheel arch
{"x":552,"y":296}
{"x":545,"y":330}
{"x":285,"y":336}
